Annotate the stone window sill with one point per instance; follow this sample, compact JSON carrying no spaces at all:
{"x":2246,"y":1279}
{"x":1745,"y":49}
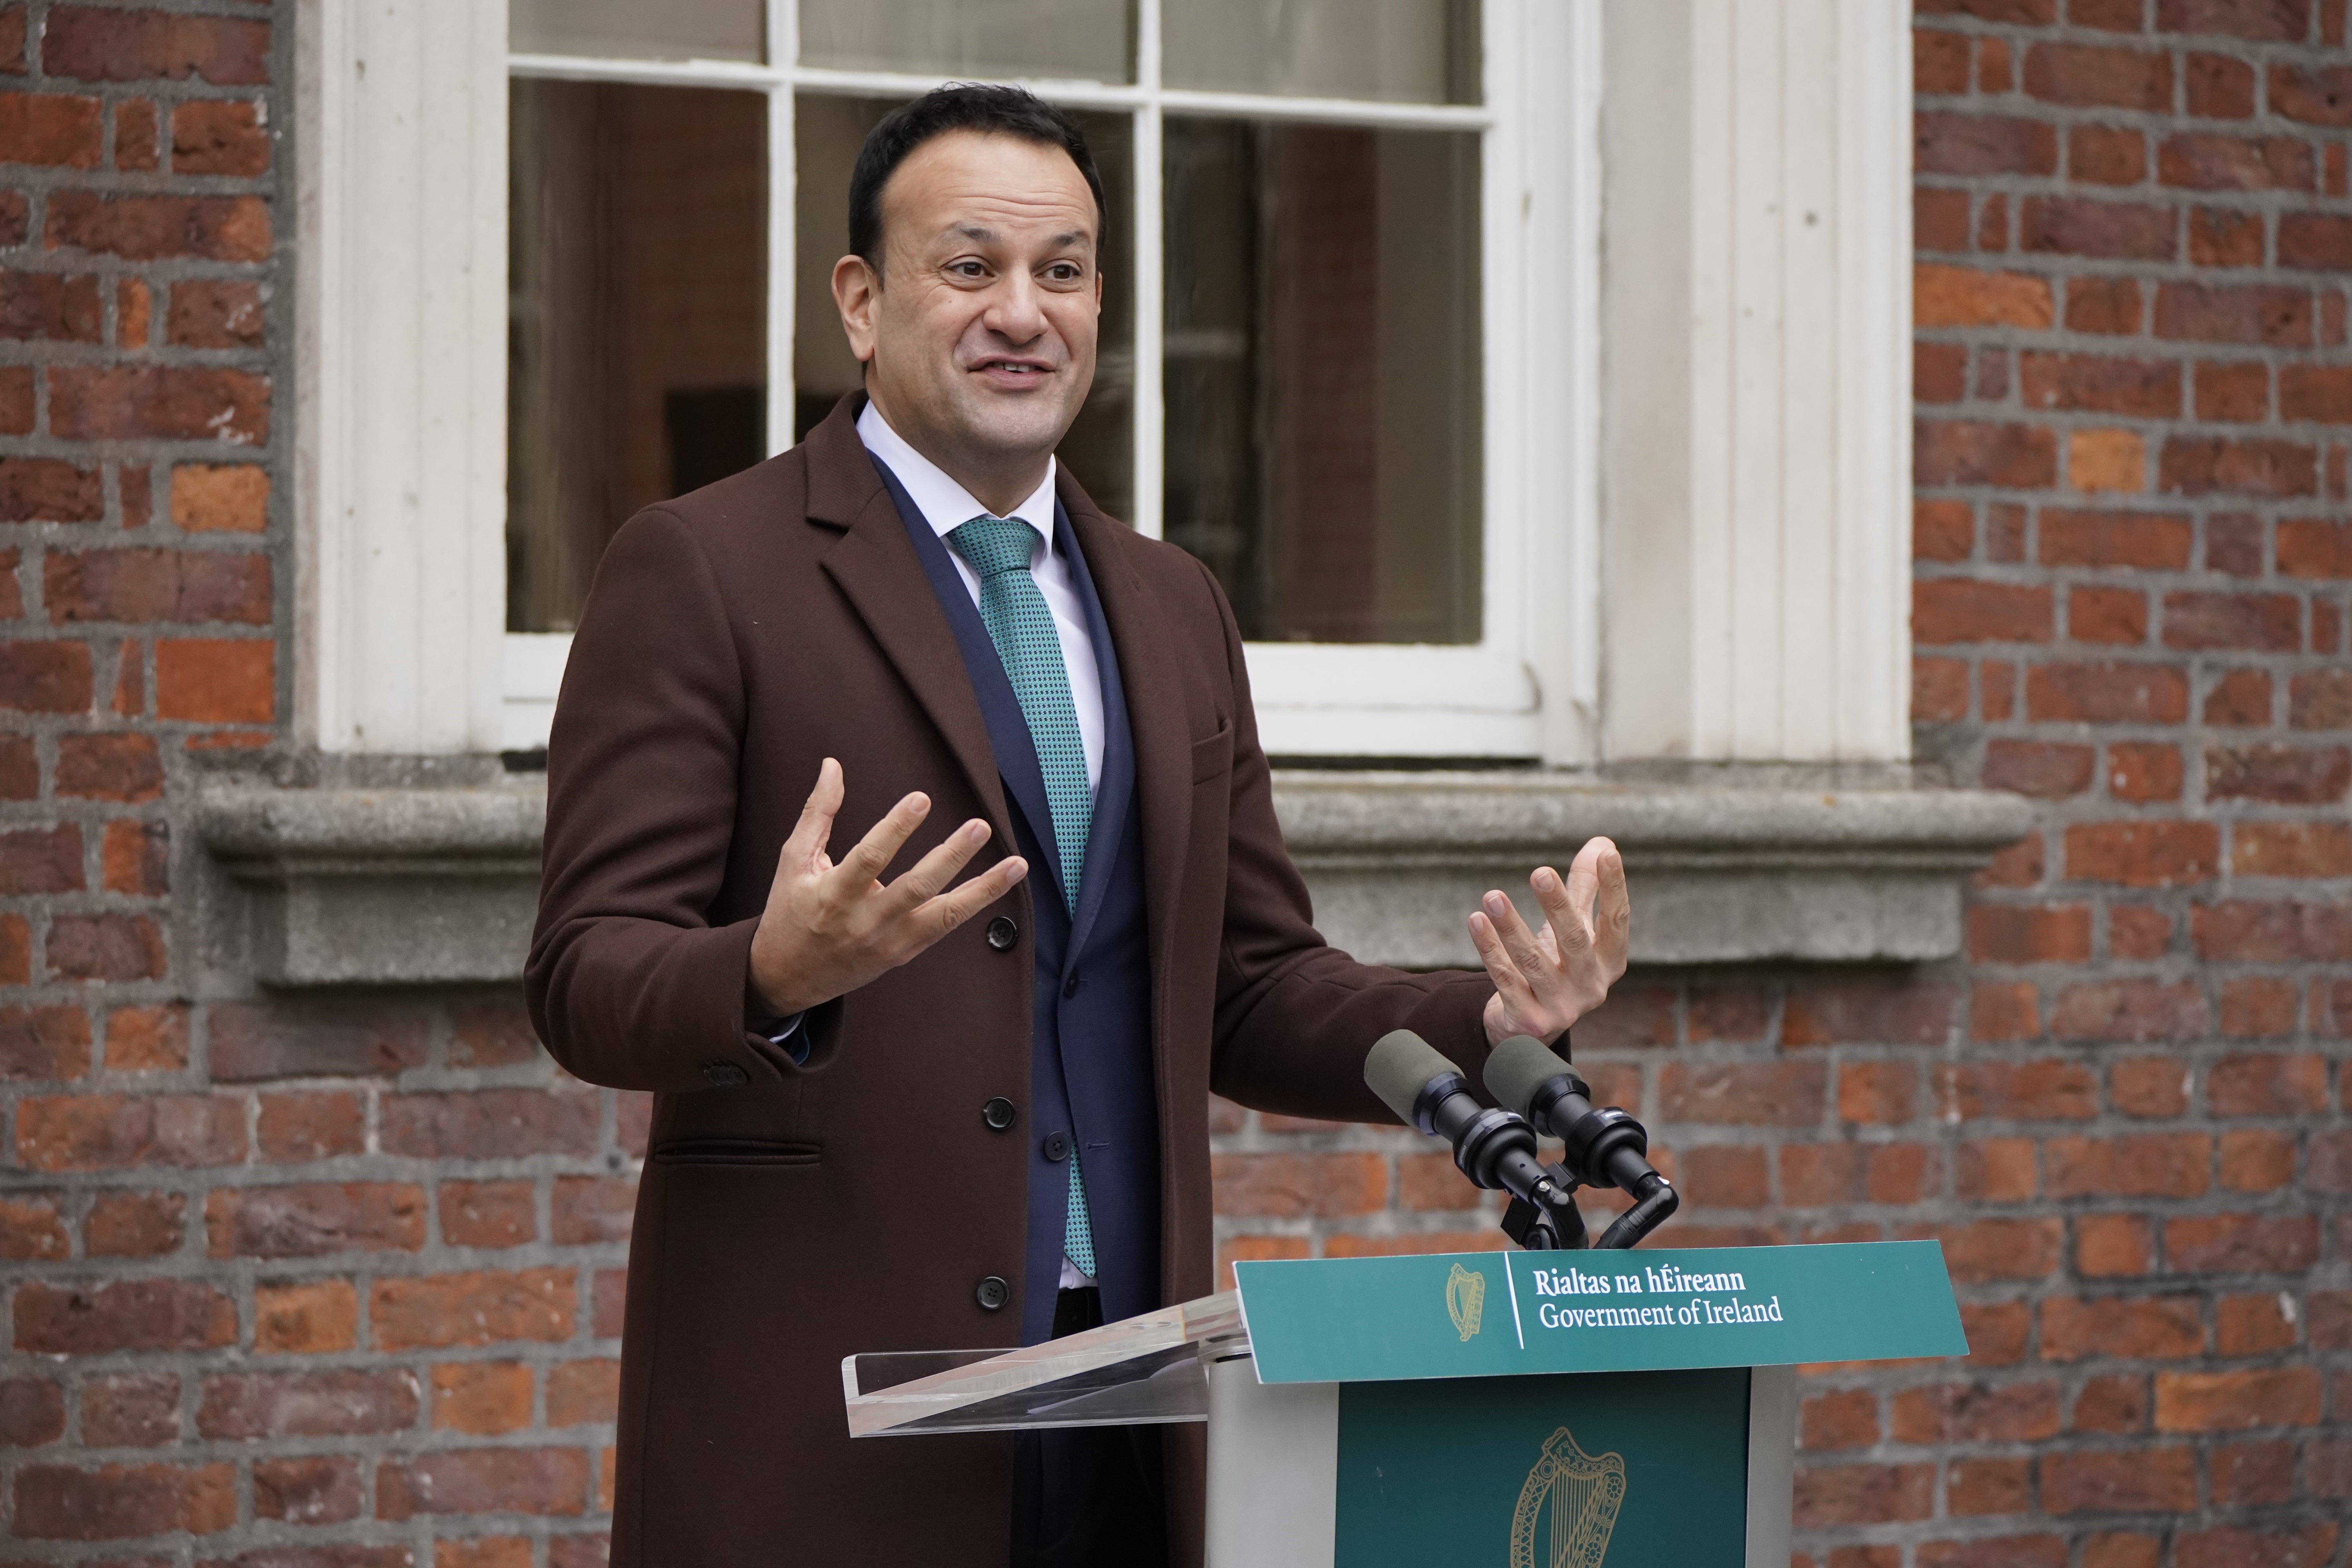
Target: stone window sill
{"x":346,"y":886}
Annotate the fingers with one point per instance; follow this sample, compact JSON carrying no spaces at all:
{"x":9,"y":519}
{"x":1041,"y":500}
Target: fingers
{"x":943,"y":914}
{"x":938,"y":868}
{"x":1517,"y":940}
{"x":814,"y":829}
{"x":1510,"y":983}
{"x":1613,"y":917}
{"x":862,"y":866}
{"x":1564,"y":907}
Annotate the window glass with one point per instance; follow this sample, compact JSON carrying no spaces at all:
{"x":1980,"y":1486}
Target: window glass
{"x":633,"y":29}
{"x":1414,"y":51}
{"x":636,"y":344}
{"x":826,"y":132}
{"x":1087,"y":39}
{"x":1322,"y":375}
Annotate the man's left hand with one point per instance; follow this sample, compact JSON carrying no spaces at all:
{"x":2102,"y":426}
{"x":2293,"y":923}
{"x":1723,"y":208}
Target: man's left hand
{"x":1547,"y":980}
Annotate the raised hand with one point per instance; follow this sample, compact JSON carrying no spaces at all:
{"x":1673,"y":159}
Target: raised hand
{"x":829,"y":929}
{"x":1547,"y":980}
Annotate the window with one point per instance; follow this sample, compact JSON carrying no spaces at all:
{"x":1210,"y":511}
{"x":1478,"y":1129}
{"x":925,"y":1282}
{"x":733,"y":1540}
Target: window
{"x":1316,"y":357}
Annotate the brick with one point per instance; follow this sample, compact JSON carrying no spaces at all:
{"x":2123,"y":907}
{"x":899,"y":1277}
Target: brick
{"x":1295,"y":1187}
{"x":43,"y":1043}
{"x":1996,"y":1170}
{"x":489,"y":1124}
{"x":313,"y":1221}
{"x":2254,"y":1161}
{"x":147,"y":1039}
{"x":314,"y":1038}
{"x":1877,"y":1093}
{"x":2258,"y":1007}
{"x":2267,"y":1085}
{"x":157,"y":586}
{"x":484,"y":1480}
{"x":44,"y":677}
{"x":2270,"y":21}
{"x":215,"y":682}
{"x":486,"y":1551}
{"x":219,"y":136}
{"x":2129,"y":1010}
{"x":2233,"y":543}
{"x":2141,"y":388}
{"x":32,"y":1413}
{"x":2066,"y":226}
{"x":220,"y":499}
{"x":2220,"y":87}
{"x":484,"y":1398}
{"x":105,"y":948}
{"x":2241,"y":699}
{"x":1977,"y":1413}
{"x":2236,"y":1400}
{"x":596,"y":1210}
{"x":47,"y":306}
{"x":1994,"y":1249}
{"x":209,"y":313}
{"x":576,"y":1552}
{"x":2146,"y":1164}
{"x":2119,"y":1481}
{"x":135,"y":857}
{"x":115,"y":767}
{"x":439,"y":1312}
{"x":2198,"y":465}
{"x":95,"y":43}
{"x":2309,"y":548}
{"x":304,"y":1317}
{"x":152,"y":229}
{"x":2253,"y":1474}
{"x":52,"y":128}
{"x":1988,"y":1486}
{"x":2252,"y":932}
{"x":15,"y":968}
{"x":135,"y":1225}
{"x":1996,"y":1331}
{"x":2314,"y":95}
{"x":1999,"y":1551}
{"x":41,"y":860}
{"x":297,"y":1127}
{"x":317,"y":1489}
{"x":2142,"y":854}
{"x":1772,"y":1094}
{"x":2314,"y":242}
{"x":1939,"y":219}
{"x":2239,"y":393}
{"x":2221,"y":237}
{"x":1957,"y":610}
{"x":2149,"y":1086}
{"x":2241,"y":1244}
{"x":2291,"y":849}
{"x":1869,"y":1011}
{"x":488,"y":1213}
{"x":2205,"y":161}
{"x":2292,"y":775}
{"x":2034,"y":13}
{"x":2114,"y":1404}
{"x":122,"y":1315}
{"x":35,"y":489}
{"x":1965,"y":452}
{"x":1938,"y":373}
{"x":2004,"y":1013}
{"x":114,"y":1502}
{"x":2110,"y":306}
{"x":2043,"y":769}
{"x":2107,"y":693}
{"x":2234,"y":1546}
{"x":136,"y":128}
{"x":2153,"y":541}
{"x":1862,"y":1494}
{"x":1846,"y":1420}
{"x":15,"y":381}
{"x":1939,"y":690}
{"x":2141,"y":773}
{"x":141,"y":1410}
{"x":1942,"y":531}
{"x":2275,"y":316}
{"x":2233,"y":622}
{"x":2035,"y":1091}
{"x":2096,"y":76}
{"x":1947,"y":143}
{"x":2104,"y":155}
{"x":2110,"y":461}
{"x":115,"y":1131}
{"x":583,"y":1393}
{"x":20,"y":771}
{"x":2025,"y":933}
{"x":31,"y":1231}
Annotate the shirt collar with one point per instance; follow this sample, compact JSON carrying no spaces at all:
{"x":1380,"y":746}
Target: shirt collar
{"x":945,"y":504}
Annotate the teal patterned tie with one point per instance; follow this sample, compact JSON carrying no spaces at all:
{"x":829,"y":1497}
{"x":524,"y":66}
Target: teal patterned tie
{"x":999,"y":549}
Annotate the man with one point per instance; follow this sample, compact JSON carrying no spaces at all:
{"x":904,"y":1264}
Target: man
{"x":898,"y":1109}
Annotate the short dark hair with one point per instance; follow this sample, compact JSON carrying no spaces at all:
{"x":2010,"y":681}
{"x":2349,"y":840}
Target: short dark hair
{"x":958,"y":106}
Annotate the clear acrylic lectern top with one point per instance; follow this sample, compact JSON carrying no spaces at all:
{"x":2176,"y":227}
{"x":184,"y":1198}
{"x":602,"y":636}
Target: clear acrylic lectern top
{"x":1145,"y":1369}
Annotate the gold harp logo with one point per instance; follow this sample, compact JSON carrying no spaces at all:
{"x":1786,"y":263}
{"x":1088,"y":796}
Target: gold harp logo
{"x":1465,"y":1299}
{"x":1568,"y":1509}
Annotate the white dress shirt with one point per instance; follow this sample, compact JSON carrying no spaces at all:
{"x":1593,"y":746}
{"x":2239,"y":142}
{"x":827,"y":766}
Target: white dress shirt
{"x":948,"y":506}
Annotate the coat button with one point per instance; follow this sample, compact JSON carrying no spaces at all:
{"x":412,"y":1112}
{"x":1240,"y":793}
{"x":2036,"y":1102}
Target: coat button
{"x":1058,"y":1146}
{"x":992,"y":1293}
{"x":724,"y":1075}
{"x":1073,"y":985}
{"x":1003,"y":933}
{"x":998,"y":1113}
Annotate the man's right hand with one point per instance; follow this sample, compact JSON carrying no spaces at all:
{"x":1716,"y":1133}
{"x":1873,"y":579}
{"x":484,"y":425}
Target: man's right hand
{"x":829,"y":929}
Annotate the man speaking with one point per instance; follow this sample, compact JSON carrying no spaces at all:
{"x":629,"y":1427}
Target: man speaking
{"x":933,"y":1041}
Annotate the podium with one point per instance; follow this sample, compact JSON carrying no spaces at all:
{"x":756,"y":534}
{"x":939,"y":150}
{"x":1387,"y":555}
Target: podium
{"x":1566,"y":1409}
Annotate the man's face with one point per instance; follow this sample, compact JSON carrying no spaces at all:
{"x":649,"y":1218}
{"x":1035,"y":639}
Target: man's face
{"x":979,"y":337}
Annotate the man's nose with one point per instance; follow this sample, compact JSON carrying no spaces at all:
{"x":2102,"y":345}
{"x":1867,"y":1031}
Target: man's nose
{"x":1015,"y":308}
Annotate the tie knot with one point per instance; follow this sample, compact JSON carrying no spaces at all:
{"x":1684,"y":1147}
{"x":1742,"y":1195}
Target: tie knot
{"x":994,"y":545}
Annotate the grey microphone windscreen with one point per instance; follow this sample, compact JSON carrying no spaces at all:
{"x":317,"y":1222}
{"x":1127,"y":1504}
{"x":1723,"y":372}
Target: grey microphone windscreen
{"x":1518,"y":1067}
{"x":1399,"y":1066}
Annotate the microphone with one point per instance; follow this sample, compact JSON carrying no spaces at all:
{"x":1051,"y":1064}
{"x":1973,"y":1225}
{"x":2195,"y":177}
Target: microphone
{"x":1496,"y":1149}
{"x":1606,"y":1148}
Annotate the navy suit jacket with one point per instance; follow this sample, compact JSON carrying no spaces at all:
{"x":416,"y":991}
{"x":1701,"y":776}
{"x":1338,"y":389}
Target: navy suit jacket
{"x":1090,"y":1048}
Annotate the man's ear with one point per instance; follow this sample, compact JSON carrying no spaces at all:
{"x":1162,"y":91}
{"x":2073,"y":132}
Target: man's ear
{"x":855,"y":290}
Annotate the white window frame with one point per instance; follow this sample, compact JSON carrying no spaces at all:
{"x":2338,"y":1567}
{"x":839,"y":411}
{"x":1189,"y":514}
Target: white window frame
{"x":1539,"y":358}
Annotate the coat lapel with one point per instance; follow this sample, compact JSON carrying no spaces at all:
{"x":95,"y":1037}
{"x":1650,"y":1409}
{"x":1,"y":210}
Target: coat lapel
{"x":876,"y":568}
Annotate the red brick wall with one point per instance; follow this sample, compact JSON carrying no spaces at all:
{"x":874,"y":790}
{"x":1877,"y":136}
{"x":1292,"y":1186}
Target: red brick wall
{"x":333,"y":1284}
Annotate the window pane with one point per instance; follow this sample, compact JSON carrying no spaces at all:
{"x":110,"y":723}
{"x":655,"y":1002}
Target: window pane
{"x":1414,"y":51}
{"x":1323,"y":376}
{"x":633,"y":29}
{"x":826,"y":131}
{"x":636,"y":347}
{"x":1091,"y":40}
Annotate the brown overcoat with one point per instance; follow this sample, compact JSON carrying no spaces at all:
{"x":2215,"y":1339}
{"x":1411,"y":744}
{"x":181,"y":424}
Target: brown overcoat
{"x":791,"y":1214}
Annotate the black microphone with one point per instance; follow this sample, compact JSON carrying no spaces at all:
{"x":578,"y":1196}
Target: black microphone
{"x":1496,"y":1149}
{"x":1606,"y":1148}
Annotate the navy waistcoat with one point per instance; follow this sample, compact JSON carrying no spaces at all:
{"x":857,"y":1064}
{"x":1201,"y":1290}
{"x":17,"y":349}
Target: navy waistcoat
{"x":1090,"y":1074}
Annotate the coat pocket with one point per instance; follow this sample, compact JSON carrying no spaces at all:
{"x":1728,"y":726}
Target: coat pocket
{"x":1212,"y":756}
{"x":735,"y":1152}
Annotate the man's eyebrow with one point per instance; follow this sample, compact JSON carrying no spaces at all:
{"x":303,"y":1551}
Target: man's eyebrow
{"x":974,"y":232}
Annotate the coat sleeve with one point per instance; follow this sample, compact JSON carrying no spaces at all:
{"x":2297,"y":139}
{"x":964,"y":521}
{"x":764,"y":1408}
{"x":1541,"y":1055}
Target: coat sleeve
{"x":1296,"y":1016}
{"x":628,"y":982}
